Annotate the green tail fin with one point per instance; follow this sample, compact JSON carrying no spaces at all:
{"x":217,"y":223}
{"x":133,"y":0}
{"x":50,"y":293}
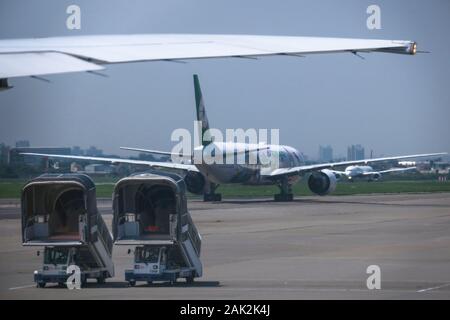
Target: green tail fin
{"x":201,"y":112}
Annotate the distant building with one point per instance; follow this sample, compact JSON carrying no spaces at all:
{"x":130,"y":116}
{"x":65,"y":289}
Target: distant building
{"x":4,"y":153}
{"x":325,"y":153}
{"x":94,"y":152}
{"x":15,"y":156}
{"x":355,"y":152}
{"x":23,"y":144}
{"x":77,"y":151}
{"x":99,"y":169}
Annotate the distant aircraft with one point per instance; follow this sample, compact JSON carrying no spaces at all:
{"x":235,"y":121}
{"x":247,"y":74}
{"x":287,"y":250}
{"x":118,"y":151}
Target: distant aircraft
{"x":204,"y":178}
{"x":43,"y":56}
{"x":366,"y":172}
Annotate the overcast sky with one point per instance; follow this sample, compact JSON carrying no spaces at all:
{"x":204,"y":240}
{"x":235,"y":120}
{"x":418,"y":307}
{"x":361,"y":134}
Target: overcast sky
{"x":393,"y":104}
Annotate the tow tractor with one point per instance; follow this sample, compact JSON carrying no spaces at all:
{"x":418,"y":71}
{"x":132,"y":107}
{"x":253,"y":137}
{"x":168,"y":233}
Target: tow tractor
{"x":56,"y":261}
{"x":151,"y":263}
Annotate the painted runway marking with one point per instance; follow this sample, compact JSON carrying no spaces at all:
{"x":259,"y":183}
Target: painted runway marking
{"x":23,"y":287}
{"x":434,"y":288}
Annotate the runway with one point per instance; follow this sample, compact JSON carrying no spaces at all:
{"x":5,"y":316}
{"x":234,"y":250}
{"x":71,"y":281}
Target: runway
{"x":312,"y":248}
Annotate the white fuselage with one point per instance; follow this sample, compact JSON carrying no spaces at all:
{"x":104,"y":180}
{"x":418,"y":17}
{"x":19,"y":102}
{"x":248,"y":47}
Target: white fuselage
{"x":244,"y":167}
{"x":357,"y":171}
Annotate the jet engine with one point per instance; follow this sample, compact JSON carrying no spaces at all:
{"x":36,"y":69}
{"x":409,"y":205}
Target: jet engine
{"x":376,"y":176}
{"x":322,"y":182}
{"x":195,"y":182}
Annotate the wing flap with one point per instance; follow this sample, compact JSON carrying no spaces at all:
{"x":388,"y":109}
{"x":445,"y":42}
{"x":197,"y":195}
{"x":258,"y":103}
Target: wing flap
{"x":41,"y":63}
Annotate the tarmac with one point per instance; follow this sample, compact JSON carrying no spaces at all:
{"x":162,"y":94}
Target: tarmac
{"x":311,"y":248}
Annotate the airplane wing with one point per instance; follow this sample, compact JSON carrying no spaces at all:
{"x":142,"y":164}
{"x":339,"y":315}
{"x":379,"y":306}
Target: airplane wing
{"x":166,"y":153}
{"x":41,"y":56}
{"x":247,"y":150}
{"x":339,"y":172}
{"x":397,"y":170}
{"x":317,"y":167}
{"x":153,"y":164}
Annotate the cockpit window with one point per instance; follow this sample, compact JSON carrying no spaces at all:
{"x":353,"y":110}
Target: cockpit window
{"x":147,"y":255}
{"x":286,"y":159}
{"x":297,"y":159}
{"x":56,"y":255}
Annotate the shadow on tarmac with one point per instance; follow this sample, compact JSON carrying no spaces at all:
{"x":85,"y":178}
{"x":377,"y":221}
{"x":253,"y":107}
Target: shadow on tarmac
{"x":123,"y":284}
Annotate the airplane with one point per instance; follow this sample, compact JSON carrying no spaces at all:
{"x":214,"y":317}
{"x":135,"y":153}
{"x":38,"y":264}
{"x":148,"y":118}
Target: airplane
{"x":55,"y":55}
{"x":366,"y":172}
{"x":204,"y":178}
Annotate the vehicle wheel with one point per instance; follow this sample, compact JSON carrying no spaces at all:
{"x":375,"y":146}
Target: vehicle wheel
{"x":83,"y":281}
{"x":132,"y":283}
{"x":101,"y":280}
{"x":190,"y":280}
{"x":172,"y":282}
{"x":41,"y":284}
{"x":61,"y":284}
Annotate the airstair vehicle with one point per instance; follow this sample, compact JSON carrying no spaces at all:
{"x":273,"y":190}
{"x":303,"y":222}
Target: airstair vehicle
{"x":59,"y":213}
{"x":150,"y":214}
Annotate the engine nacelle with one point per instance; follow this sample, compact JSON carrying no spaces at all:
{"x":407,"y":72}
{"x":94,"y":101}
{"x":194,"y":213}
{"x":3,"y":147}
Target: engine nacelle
{"x":195,"y":182}
{"x":376,"y":176}
{"x":323,"y":182}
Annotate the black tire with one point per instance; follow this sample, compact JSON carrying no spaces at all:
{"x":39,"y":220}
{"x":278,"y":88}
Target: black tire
{"x":132,"y":283}
{"x":190,"y":280}
{"x":149,"y":282}
{"x":83,"y":281}
{"x":41,"y":284}
{"x":61,"y":284}
{"x":101,"y":280}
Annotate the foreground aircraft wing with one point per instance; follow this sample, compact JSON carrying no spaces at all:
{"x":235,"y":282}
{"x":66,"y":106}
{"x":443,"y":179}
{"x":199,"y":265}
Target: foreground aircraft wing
{"x":41,"y":56}
{"x":317,"y":167}
{"x":153,"y":164}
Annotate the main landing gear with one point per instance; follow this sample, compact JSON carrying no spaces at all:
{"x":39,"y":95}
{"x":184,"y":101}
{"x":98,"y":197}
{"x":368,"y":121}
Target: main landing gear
{"x":285,"y":191}
{"x":210,"y":195}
